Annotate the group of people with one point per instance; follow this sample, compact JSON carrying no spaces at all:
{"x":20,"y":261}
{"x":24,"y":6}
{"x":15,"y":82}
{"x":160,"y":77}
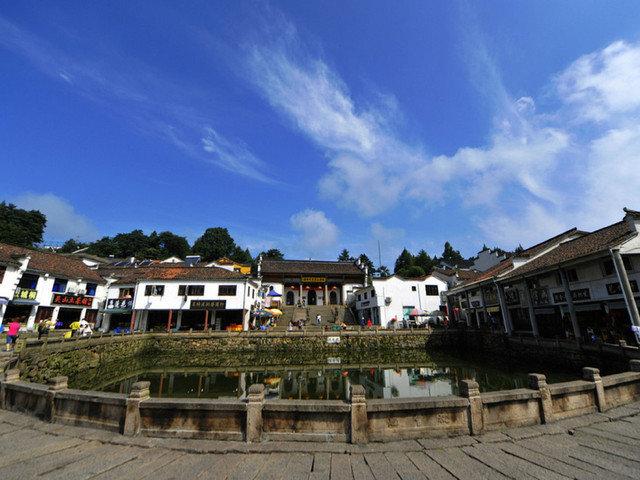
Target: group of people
{"x":81,"y":328}
{"x":362,"y":323}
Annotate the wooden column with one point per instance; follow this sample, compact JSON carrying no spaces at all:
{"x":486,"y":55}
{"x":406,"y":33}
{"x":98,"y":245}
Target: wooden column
{"x":169,"y":322}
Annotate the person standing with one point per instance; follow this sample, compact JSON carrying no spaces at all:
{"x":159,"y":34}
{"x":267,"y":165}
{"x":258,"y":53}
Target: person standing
{"x":43,"y":327}
{"x":318,"y":319}
{"x":12,"y":333}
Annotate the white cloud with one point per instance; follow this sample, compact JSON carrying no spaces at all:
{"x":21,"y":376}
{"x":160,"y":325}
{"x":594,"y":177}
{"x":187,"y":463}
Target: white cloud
{"x":604,"y":83}
{"x":317,"y":233}
{"x":370,"y":169}
{"x":63,"y":222}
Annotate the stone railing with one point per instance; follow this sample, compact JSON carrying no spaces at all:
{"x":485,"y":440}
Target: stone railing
{"x":357,"y":420}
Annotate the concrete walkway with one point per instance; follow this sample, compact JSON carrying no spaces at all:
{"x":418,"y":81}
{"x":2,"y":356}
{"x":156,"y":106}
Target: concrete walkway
{"x":596,"y":446}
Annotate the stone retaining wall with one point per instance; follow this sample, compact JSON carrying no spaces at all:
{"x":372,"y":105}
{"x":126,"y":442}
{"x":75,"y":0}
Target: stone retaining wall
{"x":357,"y":420}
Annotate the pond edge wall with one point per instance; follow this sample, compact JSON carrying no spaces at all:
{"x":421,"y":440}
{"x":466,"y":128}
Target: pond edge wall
{"x":357,"y":420}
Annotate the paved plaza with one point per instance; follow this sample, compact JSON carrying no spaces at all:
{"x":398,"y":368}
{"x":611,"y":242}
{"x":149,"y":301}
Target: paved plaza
{"x":595,"y":446}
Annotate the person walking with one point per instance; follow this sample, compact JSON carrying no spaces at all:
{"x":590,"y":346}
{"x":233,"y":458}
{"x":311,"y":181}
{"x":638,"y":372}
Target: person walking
{"x":12,"y":333}
{"x":318,"y":319}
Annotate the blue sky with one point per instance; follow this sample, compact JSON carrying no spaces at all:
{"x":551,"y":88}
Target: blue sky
{"x":321,"y":125}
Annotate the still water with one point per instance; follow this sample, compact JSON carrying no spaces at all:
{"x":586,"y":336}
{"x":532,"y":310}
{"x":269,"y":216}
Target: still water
{"x":432,"y":375}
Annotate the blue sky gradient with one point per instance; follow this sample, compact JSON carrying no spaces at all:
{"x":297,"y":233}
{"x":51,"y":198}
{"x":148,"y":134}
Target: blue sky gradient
{"x":321,"y":125}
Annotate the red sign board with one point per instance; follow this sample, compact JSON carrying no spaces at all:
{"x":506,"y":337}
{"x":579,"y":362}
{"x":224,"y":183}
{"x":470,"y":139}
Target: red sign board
{"x":78,"y":300}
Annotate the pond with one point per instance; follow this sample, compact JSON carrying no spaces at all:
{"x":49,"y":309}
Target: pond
{"x":429,"y":375}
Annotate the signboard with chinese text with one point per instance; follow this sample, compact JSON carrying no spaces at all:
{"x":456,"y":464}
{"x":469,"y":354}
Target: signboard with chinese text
{"x":511,"y":296}
{"x":25,"y":294}
{"x":208,"y":304}
{"x":314,"y":279}
{"x":616,"y":289}
{"x":576,"y":295}
{"x":540,"y":296}
{"x":77,"y":300}
{"x":120,"y":304}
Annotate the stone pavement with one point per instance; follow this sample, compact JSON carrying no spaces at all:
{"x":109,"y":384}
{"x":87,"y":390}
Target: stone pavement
{"x":596,"y":446}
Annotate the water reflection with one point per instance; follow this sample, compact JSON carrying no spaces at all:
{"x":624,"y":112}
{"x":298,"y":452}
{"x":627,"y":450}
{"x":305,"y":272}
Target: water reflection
{"x":331,"y":380}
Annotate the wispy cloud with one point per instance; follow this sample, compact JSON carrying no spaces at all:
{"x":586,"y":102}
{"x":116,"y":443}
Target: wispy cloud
{"x":139,"y":96}
{"x":63,"y":222}
{"x":538,"y":173}
{"x":364,"y":154}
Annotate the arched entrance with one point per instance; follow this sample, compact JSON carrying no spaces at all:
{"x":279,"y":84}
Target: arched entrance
{"x":289,"y":298}
{"x":311,"y":297}
{"x":333,"y":298}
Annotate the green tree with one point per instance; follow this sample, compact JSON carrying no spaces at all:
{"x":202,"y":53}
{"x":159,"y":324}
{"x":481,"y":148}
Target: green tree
{"x":365,"y":261}
{"x":424,"y":261}
{"x":242,"y":256}
{"x":272,"y":254}
{"x":133,"y":244}
{"x":404,"y":261}
{"x":345,"y":256}
{"x":214,"y":244}
{"x":450,"y":255}
{"x":104,"y":247}
{"x":71,"y":246}
{"x":169,"y":245}
{"x":383,"y":271}
{"x":21,"y":227}
{"x":413,"y":271}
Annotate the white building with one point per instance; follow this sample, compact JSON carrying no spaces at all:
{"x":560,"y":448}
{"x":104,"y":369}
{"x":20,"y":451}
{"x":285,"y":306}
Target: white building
{"x":35,"y":285}
{"x":395,"y":297}
{"x":177,"y":297}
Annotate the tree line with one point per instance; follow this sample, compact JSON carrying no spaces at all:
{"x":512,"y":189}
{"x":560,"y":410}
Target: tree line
{"x":26,"y":228}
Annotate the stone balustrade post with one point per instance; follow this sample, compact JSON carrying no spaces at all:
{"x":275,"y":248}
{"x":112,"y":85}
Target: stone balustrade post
{"x":56,"y":384}
{"x":139,"y":393}
{"x":254,"y":412}
{"x":358,"y":415}
{"x":538,"y":381}
{"x":12,"y":375}
{"x":471,"y":390}
{"x":591,"y":374}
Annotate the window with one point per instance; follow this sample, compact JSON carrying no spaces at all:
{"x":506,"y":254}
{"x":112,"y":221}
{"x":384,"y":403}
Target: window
{"x":431,"y":290}
{"x":2,"y":270}
{"x":59,"y":285}
{"x":91,"y":289}
{"x":152,"y":290}
{"x":359,"y":297}
{"x":125,"y":293}
{"x":413,"y":289}
{"x":572,"y":276}
{"x":227,"y":290}
{"x":28,"y":281}
{"x":194,"y":290}
{"x":610,"y":269}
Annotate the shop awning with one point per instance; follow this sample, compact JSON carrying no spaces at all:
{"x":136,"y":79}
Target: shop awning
{"x":116,"y":310}
{"x":20,"y":301}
